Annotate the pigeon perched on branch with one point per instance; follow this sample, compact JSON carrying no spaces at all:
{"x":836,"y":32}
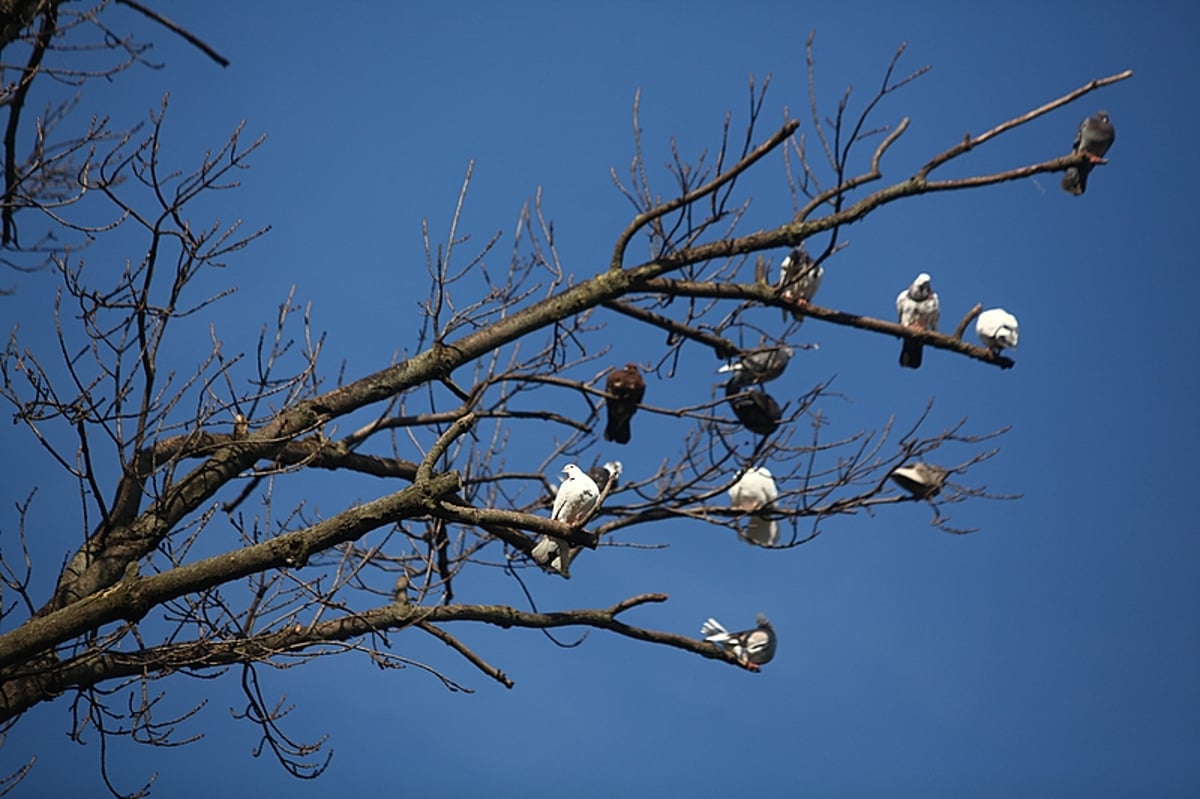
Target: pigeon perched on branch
{"x":576,"y":498}
{"x":1095,"y":135}
{"x":997,"y":329}
{"x":603,"y":475}
{"x":755,"y":409}
{"x":922,"y":480}
{"x":752,"y":648}
{"x":757,"y":366}
{"x":625,"y":387}
{"x":918,"y":308}
{"x":799,"y":278}
{"x":755,"y":491}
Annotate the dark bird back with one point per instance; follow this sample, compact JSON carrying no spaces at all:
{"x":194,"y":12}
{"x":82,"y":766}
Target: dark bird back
{"x":625,"y":387}
{"x":755,"y":409}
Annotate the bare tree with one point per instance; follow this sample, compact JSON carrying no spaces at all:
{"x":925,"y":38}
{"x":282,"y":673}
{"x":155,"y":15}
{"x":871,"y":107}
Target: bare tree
{"x":167,"y":464}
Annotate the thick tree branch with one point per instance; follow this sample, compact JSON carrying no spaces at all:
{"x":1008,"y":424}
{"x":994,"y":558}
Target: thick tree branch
{"x":133,"y":596}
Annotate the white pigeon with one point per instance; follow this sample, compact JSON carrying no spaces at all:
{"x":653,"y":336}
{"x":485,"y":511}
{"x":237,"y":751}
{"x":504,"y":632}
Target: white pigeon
{"x":574,"y":500}
{"x":754,"y":490}
{"x":997,"y":329}
{"x":922,"y":480}
{"x":799,"y":278}
{"x":761,"y":532}
{"x":547,"y":554}
{"x":576,"y":496}
{"x":918,"y":307}
{"x":758,"y":365}
{"x":752,"y":648}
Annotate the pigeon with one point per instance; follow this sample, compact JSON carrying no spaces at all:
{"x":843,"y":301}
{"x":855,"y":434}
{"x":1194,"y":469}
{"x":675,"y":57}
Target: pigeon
{"x":1095,"y":135}
{"x":754,"y":490}
{"x":546,"y":553}
{"x":758,"y":366}
{"x":626,"y":389}
{"x":756,"y":410}
{"x":997,"y":329}
{"x":917,"y":306}
{"x":603,"y":475}
{"x":575,"y":499}
{"x":922,"y":480}
{"x":761,"y":532}
{"x":752,"y":648}
{"x":799,"y":278}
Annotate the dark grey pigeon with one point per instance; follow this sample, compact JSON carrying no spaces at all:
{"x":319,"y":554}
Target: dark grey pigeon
{"x":1095,"y":135}
{"x":758,"y":366}
{"x":755,"y":409}
{"x":603,"y":475}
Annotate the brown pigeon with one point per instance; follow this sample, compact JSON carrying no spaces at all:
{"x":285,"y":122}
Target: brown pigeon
{"x":625,"y":389}
{"x":1095,"y":135}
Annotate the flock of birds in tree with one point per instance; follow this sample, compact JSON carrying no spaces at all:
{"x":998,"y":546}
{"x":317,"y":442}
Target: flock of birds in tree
{"x":754,"y":491}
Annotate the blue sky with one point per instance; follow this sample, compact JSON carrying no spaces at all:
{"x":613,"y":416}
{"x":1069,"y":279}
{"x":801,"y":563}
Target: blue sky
{"x":1052,"y":653}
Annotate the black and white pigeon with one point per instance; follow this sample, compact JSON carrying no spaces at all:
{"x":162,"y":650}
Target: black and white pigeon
{"x":752,"y":648}
{"x":922,"y":480}
{"x":997,"y":329}
{"x":1095,"y":135}
{"x":757,"y":366}
{"x":576,"y":497}
{"x":799,"y":278}
{"x":755,"y":409}
{"x":918,"y":308}
{"x":755,"y":491}
{"x":603,"y":475}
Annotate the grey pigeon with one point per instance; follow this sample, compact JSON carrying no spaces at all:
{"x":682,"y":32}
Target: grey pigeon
{"x":799,"y":278}
{"x":755,"y":409}
{"x":997,"y":329}
{"x":922,"y":480}
{"x":1095,"y":135}
{"x":758,"y":366}
{"x":917,"y":307}
{"x":575,"y":499}
{"x":752,"y":648}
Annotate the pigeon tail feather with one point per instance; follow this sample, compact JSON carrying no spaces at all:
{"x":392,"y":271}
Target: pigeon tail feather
{"x":911,"y":353}
{"x":617,"y":429}
{"x":712,"y":629}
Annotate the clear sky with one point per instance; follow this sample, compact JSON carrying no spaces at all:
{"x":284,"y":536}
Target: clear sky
{"x":1053,"y":653}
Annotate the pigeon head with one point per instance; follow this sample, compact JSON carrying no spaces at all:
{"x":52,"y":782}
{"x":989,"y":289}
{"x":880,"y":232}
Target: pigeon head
{"x":761,"y":620}
{"x":798,"y":255}
{"x":922,"y":287}
{"x":571,"y":470}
